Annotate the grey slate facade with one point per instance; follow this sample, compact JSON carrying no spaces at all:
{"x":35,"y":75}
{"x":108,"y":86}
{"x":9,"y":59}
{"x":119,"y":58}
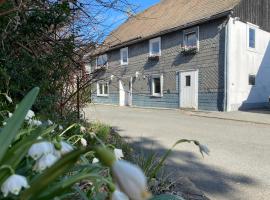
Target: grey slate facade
{"x":209,"y":61}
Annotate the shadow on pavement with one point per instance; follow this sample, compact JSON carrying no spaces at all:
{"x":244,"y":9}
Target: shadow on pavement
{"x":188,"y":164}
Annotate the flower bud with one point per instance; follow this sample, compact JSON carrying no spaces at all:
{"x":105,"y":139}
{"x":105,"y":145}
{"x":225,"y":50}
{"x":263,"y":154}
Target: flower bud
{"x":131,"y":180}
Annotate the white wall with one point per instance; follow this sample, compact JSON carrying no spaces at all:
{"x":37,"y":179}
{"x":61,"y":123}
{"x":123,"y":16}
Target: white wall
{"x":242,"y":61}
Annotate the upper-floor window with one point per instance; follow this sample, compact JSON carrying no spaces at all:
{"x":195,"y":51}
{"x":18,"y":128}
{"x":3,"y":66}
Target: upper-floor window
{"x":124,"y":56}
{"x":88,"y":69}
{"x":157,"y":85}
{"x":191,"y":38}
{"x":102,"y":61}
{"x":252,"y":38}
{"x":102,"y":89}
{"x":155,"y":47}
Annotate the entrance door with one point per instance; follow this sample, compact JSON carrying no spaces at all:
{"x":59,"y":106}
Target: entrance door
{"x":189,"y":89}
{"x":125,"y":92}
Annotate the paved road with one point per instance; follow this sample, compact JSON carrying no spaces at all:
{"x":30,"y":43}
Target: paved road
{"x":238,"y":167}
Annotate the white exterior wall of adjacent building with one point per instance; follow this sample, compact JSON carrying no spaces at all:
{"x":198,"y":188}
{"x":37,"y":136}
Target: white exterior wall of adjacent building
{"x":243,"y":61}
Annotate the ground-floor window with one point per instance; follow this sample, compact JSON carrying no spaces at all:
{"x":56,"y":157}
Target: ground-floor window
{"x":102,"y":89}
{"x":252,"y":79}
{"x":157,"y":85}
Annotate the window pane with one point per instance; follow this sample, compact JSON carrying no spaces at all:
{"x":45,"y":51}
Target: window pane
{"x":191,"y":40}
{"x":252,"y":40}
{"x":124,"y":56}
{"x":157,"y":86}
{"x":155,"y":48}
{"x":188,"y":81}
{"x":106,"y":88}
{"x":252,"y":80}
{"x":102,"y":60}
{"x":100,"y":89}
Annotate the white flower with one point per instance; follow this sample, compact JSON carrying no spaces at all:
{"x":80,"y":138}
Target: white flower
{"x":45,"y":162}
{"x":4,"y":123}
{"x":60,"y":128}
{"x":95,"y":160}
{"x":92,"y":135}
{"x":118,"y":195}
{"x":65,"y":148}
{"x":118,"y":154}
{"x":131,"y":180}
{"x":8,"y":98}
{"x":10,"y":115}
{"x":34,"y":122}
{"x":82,"y":129}
{"x":14,"y":184}
{"x":39,"y":149}
{"x":83,"y":142}
{"x":30,"y":114}
{"x":49,"y":122}
{"x":204,"y":149}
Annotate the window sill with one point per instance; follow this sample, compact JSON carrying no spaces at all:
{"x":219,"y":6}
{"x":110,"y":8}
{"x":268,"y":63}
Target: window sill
{"x":124,"y":64}
{"x":157,"y":95}
{"x":102,"y":95}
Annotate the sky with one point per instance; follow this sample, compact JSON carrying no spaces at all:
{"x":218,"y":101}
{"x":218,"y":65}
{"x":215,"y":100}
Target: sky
{"x":116,"y":18}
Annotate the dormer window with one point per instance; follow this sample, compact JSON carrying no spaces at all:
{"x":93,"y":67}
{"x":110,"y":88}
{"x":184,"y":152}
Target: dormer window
{"x":102,"y":61}
{"x":155,"y":47}
{"x":124,"y":56}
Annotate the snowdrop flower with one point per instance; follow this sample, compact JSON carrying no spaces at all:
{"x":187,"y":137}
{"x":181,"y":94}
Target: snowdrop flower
{"x":65,"y":148}
{"x":92,"y":135}
{"x":49,"y":122}
{"x":118,"y":195}
{"x":14,"y":184}
{"x":60,"y":128}
{"x":204,"y":149}
{"x":95,"y":160}
{"x":45,"y":162}
{"x":130,"y":179}
{"x":10,"y":115}
{"x":8,"y":98}
{"x":118,"y":154}
{"x":82,"y":129}
{"x":34,"y":122}
{"x":39,"y":149}
{"x":4,"y":123}
{"x":83,"y":142}
{"x":30,"y":114}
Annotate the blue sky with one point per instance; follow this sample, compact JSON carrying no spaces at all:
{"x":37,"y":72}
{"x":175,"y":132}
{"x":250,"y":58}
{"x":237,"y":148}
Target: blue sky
{"x":114,"y":19}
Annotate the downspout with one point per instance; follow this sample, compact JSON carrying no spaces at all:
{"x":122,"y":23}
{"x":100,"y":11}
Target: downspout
{"x":226,"y":66}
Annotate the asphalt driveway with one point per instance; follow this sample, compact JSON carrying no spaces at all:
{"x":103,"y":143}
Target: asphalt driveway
{"x":238,"y":167}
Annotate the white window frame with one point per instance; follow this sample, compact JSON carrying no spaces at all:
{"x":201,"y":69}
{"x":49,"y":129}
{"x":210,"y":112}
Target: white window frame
{"x":150,"y":46}
{"x":97,"y":66}
{"x":186,"y":32}
{"x":101,"y":93}
{"x":121,"y":56}
{"x":153,"y":86}
{"x":255,"y":27}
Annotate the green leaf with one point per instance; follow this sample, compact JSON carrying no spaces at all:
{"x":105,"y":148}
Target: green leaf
{"x":66,"y":184}
{"x":41,"y":182}
{"x":10,"y":131}
{"x":167,"y":197}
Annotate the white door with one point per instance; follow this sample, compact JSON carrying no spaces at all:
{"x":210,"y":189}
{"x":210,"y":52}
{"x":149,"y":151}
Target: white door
{"x":189,"y":89}
{"x":125,"y":92}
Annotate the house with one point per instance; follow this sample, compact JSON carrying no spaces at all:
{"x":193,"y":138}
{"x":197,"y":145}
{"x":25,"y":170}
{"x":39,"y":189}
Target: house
{"x":200,"y":54}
